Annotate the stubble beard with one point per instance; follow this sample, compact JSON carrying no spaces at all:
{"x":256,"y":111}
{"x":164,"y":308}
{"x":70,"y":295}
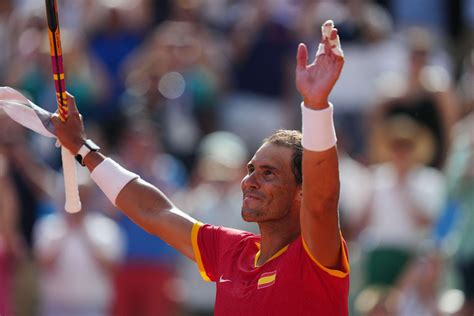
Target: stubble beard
{"x":251,"y":215}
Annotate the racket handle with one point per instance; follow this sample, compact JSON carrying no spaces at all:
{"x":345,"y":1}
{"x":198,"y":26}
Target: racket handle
{"x":73,"y":203}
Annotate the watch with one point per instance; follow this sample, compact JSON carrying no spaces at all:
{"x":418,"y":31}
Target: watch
{"x":85,"y":149}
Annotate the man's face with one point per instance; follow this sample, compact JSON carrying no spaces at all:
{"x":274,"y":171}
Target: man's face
{"x":269,"y":188}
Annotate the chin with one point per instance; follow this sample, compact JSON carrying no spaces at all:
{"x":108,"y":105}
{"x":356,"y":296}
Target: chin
{"x":248,"y":215}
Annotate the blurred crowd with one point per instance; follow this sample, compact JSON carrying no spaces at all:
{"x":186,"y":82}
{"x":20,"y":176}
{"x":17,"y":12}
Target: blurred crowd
{"x":183,"y":91}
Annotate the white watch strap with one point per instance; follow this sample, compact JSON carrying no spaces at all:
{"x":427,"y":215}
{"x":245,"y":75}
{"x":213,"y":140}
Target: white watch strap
{"x":83,"y":151}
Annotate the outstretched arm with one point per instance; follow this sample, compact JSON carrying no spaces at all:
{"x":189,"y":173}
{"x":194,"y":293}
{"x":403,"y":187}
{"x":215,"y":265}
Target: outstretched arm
{"x":319,"y":208}
{"x":143,"y":203}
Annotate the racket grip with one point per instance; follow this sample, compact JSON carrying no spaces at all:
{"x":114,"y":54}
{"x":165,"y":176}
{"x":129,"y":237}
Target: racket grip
{"x":73,"y":202}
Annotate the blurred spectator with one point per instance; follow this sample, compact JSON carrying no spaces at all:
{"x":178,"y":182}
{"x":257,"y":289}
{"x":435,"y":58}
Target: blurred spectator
{"x":33,"y":183}
{"x":77,"y":255}
{"x":415,"y":293}
{"x":431,"y":14}
{"x":460,"y":176}
{"x":31,"y":178}
{"x":78,"y":15}
{"x":161,"y":10}
{"x":214,"y":196}
{"x":30,"y":70}
{"x":406,"y":199}
{"x":258,"y":32}
{"x":425,"y":94}
{"x":417,"y":288}
{"x":467,"y":10}
{"x":146,"y":281}
{"x":262,"y":57}
{"x":217,"y":13}
{"x":356,"y":192}
{"x":12,"y":245}
{"x":6,"y":9}
{"x":375,"y":301}
{"x":175,"y":77}
{"x":111,"y":42}
{"x":86,"y":77}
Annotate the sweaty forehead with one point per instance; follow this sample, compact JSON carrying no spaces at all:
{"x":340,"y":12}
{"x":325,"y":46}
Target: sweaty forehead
{"x":273,"y":155}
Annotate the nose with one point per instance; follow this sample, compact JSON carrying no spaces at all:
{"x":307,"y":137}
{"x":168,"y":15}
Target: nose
{"x":250,"y":181}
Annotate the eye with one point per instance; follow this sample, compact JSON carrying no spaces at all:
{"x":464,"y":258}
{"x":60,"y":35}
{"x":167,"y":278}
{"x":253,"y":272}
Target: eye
{"x":250,"y":169}
{"x":268,"y":174}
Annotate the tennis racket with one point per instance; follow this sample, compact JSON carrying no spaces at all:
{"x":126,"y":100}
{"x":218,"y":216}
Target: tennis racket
{"x":73,"y":202}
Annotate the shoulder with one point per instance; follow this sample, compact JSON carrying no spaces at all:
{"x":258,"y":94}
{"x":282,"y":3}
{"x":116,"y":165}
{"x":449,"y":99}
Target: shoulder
{"x":299,"y":251}
{"x":217,"y":246}
{"x":223,"y":233}
{"x":220,"y":240}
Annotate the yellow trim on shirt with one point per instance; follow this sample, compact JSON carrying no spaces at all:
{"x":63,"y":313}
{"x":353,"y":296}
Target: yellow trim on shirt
{"x":279,"y":252}
{"x":337,"y":273}
{"x":197,"y":252}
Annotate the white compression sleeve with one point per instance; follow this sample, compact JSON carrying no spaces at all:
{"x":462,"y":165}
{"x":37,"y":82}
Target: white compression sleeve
{"x":112,"y":178}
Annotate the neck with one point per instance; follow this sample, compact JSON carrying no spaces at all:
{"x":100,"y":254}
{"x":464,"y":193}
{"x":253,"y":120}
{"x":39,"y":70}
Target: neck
{"x":275,"y":236}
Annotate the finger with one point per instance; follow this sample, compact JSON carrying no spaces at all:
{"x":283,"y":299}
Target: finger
{"x":56,"y":119}
{"x":330,"y":39}
{"x":321,"y":49}
{"x":301,"y":57}
{"x":329,"y":42}
{"x":326,"y":29}
{"x":335,"y":43}
{"x":327,"y":46}
{"x":71,"y":104}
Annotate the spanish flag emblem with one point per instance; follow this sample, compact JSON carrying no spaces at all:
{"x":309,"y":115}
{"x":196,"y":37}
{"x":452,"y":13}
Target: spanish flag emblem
{"x":266,"y":279}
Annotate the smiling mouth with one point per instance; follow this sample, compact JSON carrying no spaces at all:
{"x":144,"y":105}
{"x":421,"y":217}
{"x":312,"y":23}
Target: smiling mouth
{"x":251,"y":197}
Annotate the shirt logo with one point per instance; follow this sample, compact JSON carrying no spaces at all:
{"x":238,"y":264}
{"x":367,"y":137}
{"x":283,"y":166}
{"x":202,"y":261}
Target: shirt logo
{"x":266,"y":279}
{"x":222,"y":280}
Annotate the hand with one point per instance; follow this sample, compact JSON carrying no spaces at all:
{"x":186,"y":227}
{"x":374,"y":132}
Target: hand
{"x":315,"y":81}
{"x":70,"y":133}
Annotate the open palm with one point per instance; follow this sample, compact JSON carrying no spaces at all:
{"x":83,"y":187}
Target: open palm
{"x":316,"y":80}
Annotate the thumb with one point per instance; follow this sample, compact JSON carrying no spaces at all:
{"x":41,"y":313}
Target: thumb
{"x":71,"y":103}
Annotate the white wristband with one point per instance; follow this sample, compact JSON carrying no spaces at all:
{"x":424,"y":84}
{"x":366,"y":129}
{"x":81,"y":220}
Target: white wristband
{"x":318,"y":128}
{"x":112,"y":178}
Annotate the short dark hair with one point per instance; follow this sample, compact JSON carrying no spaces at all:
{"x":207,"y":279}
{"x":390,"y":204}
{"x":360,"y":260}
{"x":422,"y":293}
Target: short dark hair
{"x":290,"y":139}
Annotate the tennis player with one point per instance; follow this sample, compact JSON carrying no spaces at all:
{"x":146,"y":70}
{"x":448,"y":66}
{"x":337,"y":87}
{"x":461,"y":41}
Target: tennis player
{"x":298,"y":265}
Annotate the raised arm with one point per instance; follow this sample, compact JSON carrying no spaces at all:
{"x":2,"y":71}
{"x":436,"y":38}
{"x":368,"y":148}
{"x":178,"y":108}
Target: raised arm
{"x":319,"y":208}
{"x":143,"y":203}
